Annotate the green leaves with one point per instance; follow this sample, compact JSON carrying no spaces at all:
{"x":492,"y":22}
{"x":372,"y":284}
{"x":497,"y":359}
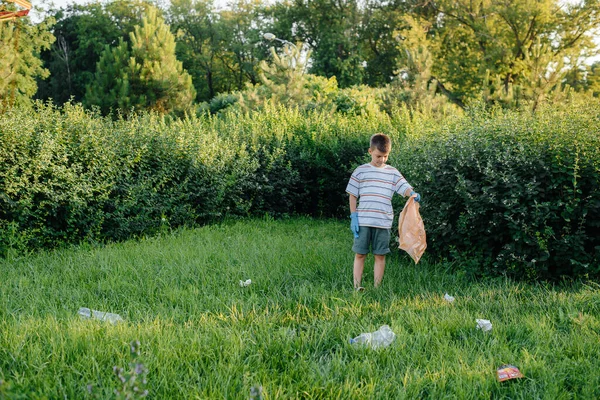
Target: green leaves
{"x":68,"y":175}
{"x":503,"y":192}
{"x":512,"y":52}
{"x":144,"y":75}
{"x":517,"y":189}
{"x":20,"y":65}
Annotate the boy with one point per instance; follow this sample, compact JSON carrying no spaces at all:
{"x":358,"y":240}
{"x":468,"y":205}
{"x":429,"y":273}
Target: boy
{"x":374,"y":183}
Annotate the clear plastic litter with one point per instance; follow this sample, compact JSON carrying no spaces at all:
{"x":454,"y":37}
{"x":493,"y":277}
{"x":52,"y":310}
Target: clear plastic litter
{"x":288,"y":332}
{"x":448,"y":298}
{"x":246,"y":283}
{"x":86,"y":313}
{"x":256,"y":392}
{"x":382,"y":337}
{"x":484,"y":324}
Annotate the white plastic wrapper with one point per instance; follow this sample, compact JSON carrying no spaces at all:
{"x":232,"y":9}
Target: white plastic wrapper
{"x":448,"y":298}
{"x":484,"y":324}
{"x":382,"y":337}
{"x":87,"y":313}
{"x":245,"y":283}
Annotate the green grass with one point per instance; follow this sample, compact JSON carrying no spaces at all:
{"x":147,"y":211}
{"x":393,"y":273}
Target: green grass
{"x":203,"y":336}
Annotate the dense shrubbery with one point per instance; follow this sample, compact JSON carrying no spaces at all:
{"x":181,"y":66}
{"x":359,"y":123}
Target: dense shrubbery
{"x":516,"y":193}
{"x":504,"y":192}
{"x":67,"y":175}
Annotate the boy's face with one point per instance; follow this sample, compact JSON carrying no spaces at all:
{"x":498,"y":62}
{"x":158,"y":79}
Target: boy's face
{"x":378,"y":157}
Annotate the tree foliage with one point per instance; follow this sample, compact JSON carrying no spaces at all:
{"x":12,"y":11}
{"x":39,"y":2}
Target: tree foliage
{"x":510,"y":50}
{"x":330,"y":29}
{"x":200,"y":38}
{"x":419,"y":89}
{"x":244,"y":23}
{"x":82,"y":32}
{"x":20,"y":64}
{"x":593,"y":79}
{"x":511,"y":53}
{"x":219,"y":49}
{"x":284,"y":81}
{"x":144,"y":74}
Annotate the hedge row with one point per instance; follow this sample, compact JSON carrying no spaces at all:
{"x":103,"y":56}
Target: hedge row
{"x":513,"y":193}
{"x":67,"y":175}
{"x":504,"y":192}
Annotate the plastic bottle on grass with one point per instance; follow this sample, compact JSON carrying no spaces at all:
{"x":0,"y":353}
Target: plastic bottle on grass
{"x":363,"y":338}
{"x":85,"y":312}
{"x":382,"y":337}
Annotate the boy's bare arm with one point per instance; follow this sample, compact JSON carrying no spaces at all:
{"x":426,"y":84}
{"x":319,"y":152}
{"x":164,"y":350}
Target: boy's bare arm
{"x":407,"y":192}
{"x":352,"y":203}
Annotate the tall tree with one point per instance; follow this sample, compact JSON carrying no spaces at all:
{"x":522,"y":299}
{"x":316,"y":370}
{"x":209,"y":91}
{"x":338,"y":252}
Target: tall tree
{"x":20,"y":64}
{"x":352,"y":40}
{"x":199,"y":41}
{"x":284,"y":81}
{"x":331,"y":29}
{"x":82,"y":32}
{"x":593,"y":79}
{"x":496,"y":46}
{"x":378,"y":44}
{"x":418,"y":89}
{"x":220,"y":49}
{"x":576,"y":76}
{"x":243,"y":24}
{"x":143,"y":75}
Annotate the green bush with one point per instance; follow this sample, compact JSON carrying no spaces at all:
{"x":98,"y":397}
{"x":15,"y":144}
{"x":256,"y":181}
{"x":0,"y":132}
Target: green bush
{"x":221,"y":102}
{"x":68,"y":175}
{"x":513,"y":193}
{"x":504,"y":192}
{"x":305,"y":159}
{"x":53,"y":176}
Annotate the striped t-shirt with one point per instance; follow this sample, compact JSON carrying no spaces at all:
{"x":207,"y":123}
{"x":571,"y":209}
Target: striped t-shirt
{"x":374,"y":188}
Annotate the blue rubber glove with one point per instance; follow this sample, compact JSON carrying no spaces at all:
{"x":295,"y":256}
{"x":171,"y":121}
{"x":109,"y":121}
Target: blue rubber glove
{"x":418,"y":198}
{"x":354,"y":223}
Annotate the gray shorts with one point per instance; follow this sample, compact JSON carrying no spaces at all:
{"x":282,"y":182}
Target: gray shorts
{"x":376,"y":238}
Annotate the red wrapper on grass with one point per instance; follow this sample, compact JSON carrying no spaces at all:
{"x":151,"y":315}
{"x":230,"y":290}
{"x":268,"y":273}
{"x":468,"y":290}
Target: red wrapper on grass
{"x":507,"y":372}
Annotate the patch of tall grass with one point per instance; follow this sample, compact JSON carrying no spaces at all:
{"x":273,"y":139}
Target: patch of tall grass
{"x":204,"y":336}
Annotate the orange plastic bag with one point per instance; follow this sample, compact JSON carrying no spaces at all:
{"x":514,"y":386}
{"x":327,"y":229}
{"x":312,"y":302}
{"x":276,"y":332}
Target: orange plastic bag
{"x":411,"y":230}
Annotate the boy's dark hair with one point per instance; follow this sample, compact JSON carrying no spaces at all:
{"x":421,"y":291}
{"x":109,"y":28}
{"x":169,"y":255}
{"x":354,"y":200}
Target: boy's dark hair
{"x":381,"y":142}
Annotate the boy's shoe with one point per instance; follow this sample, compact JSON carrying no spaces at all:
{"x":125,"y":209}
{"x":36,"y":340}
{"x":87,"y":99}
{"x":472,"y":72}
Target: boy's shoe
{"x":360,"y":289}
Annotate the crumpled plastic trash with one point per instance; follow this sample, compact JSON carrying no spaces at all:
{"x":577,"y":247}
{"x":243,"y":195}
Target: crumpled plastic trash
{"x":411,"y":230}
{"x":507,"y":372}
{"x":256,"y":392}
{"x":288,"y":332}
{"x":382,"y":337}
{"x":448,"y":298}
{"x":245,"y":283}
{"x":484,"y":324}
{"x":85,"y":312}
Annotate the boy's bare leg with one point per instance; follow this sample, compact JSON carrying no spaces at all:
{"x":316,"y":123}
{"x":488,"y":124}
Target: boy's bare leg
{"x":379,"y":269}
{"x":359,"y":266}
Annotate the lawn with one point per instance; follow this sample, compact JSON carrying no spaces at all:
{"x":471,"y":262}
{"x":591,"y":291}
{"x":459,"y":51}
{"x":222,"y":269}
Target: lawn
{"x":203,"y":336}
